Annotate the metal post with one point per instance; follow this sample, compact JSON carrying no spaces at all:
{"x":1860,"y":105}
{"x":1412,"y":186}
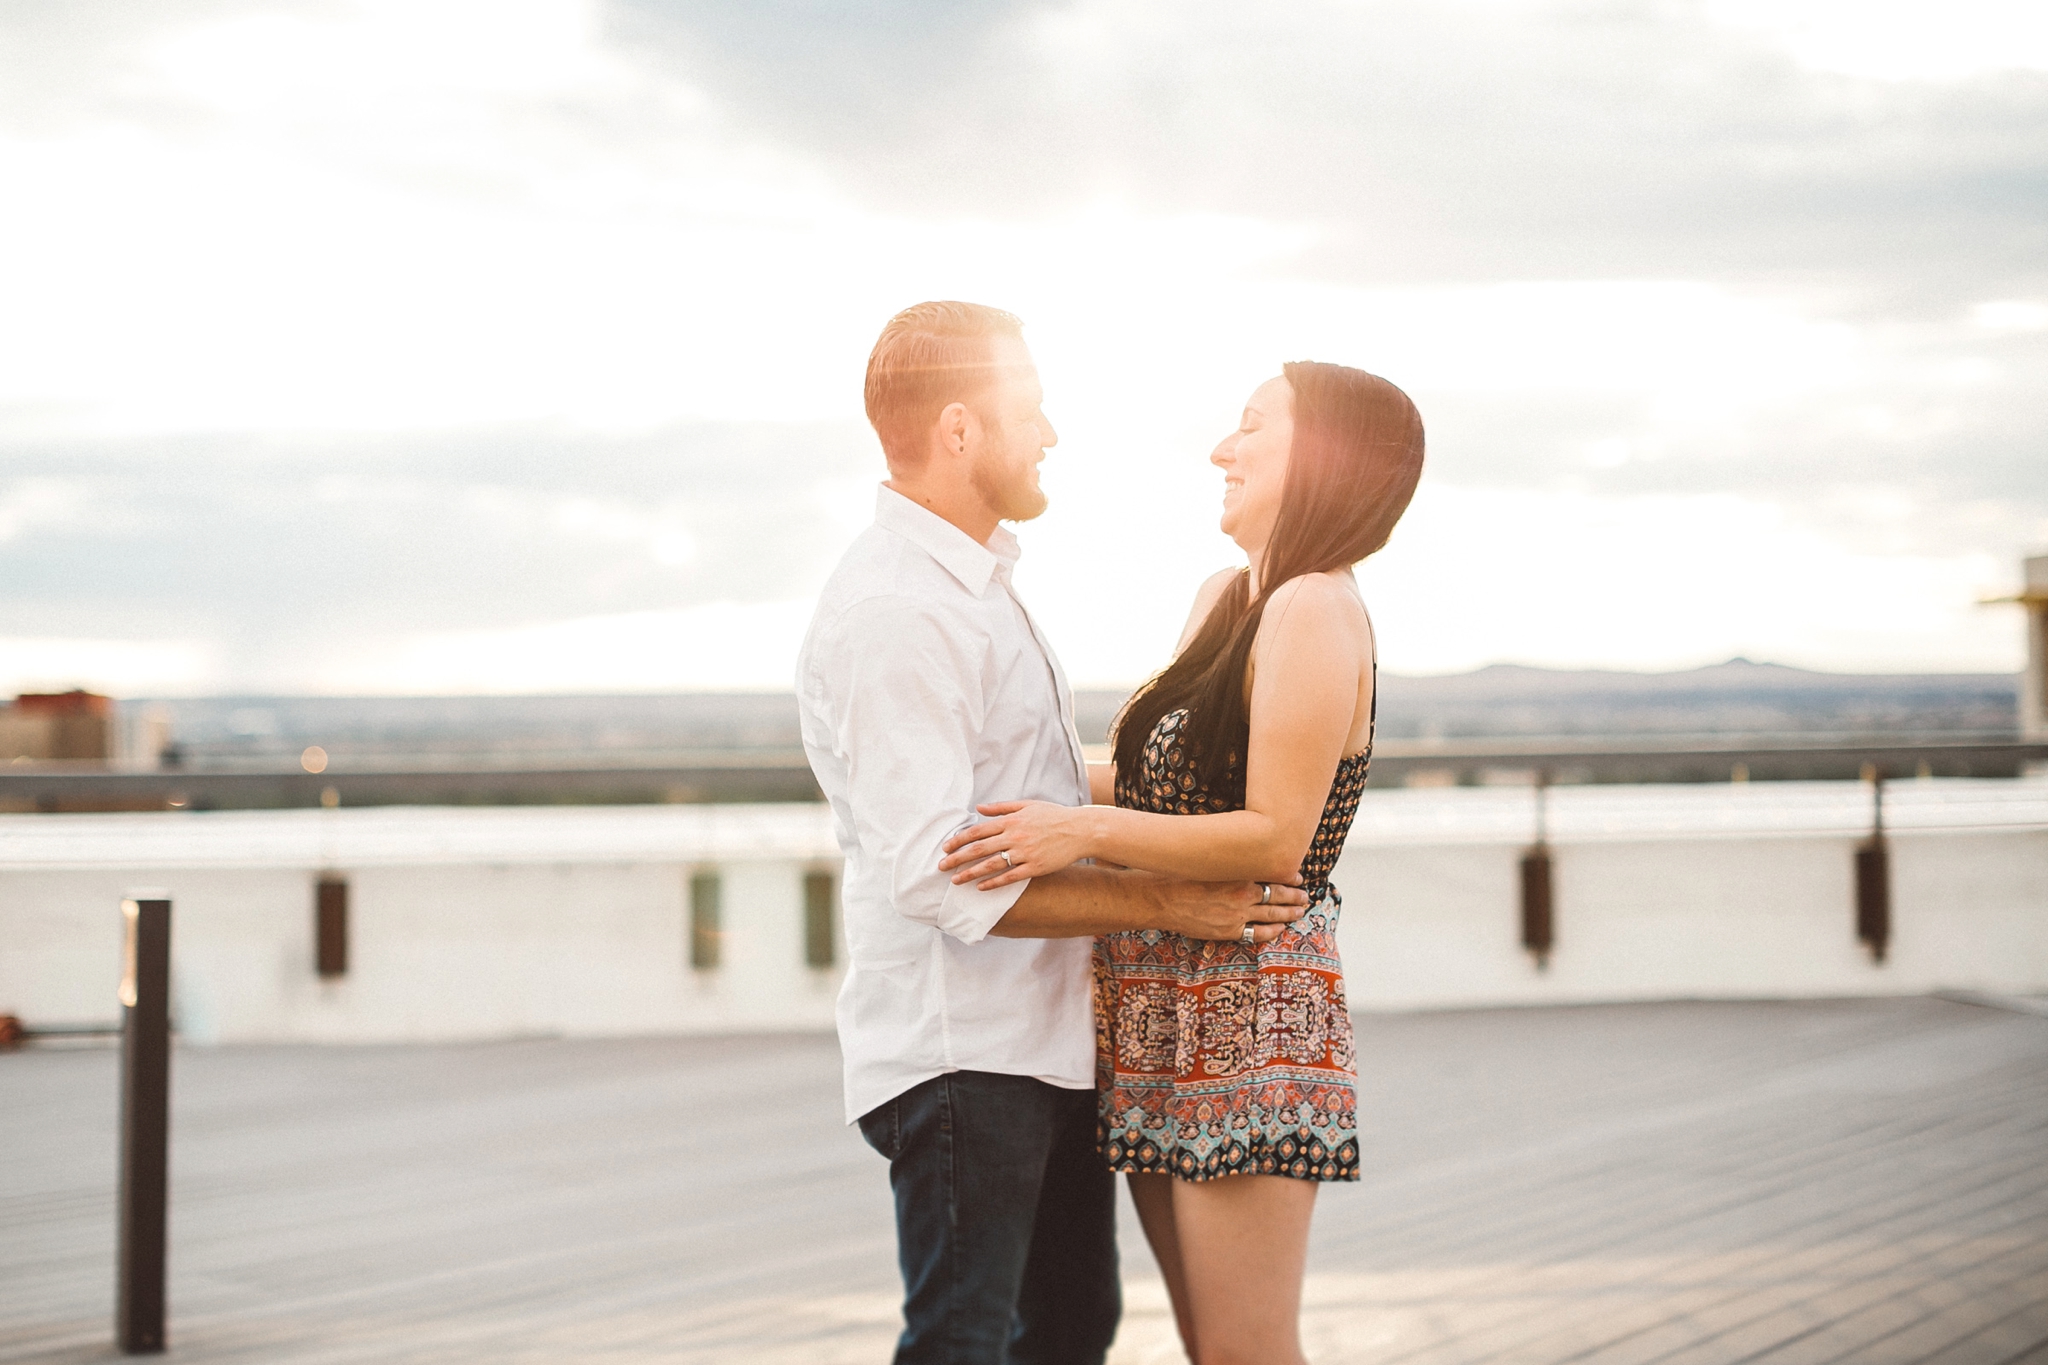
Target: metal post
{"x":2033,"y":595}
{"x":145,"y":1123}
{"x":1874,"y":875}
{"x":2034,"y":690}
{"x":330,"y":927}
{"x":1538,"y":915}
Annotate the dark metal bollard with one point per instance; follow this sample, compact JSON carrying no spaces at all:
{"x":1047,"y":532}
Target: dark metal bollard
{"x":1538,"y":913}
{"x":145,"y":1124}
{"x":1874,"y":876}
{"x":1538,"y":928}
{"x":330,"y":927}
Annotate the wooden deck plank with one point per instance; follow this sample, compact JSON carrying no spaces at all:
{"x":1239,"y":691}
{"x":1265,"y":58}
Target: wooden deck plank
{"x":1655,"y":1305}
{"x":1684,"y":1199}
{"x":1805,"y":1183}
{"x":1532,"y":1278}
{"x":1783,"y":1323}
{"x":1886,"y":1326}
{"x":1981,"y":1334}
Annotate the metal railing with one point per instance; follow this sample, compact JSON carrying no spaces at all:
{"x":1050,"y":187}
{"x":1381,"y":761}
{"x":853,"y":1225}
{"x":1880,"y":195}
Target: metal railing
{"x":743,"y":776}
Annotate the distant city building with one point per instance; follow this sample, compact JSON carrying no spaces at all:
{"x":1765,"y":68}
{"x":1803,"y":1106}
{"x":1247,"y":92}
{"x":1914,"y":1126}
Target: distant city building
{"x":43,"y":726}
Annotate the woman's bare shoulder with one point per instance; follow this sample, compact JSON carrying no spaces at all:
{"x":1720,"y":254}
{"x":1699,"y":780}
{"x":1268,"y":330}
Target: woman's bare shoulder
{"x":1213,"y":586}
{"x":1318,"y":605}
{"x":1318,"y":592}
{"x":1206,"y":597}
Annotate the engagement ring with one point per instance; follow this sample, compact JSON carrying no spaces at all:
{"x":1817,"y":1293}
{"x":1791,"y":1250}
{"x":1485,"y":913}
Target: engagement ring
{"x":1006,"y":859}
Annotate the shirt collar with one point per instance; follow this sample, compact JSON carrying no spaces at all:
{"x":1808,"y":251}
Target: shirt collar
{"x":955,"y":550}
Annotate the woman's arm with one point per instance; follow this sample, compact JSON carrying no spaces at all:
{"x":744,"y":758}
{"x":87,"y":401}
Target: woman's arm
{"x":1312,"y":648}
{"x":1102,"y":783}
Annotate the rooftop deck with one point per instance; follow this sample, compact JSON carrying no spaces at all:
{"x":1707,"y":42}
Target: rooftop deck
{"x":1689,"y":1184}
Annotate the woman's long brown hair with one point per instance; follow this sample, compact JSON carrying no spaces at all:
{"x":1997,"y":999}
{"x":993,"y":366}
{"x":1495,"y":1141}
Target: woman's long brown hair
{"x":1352,"y":467}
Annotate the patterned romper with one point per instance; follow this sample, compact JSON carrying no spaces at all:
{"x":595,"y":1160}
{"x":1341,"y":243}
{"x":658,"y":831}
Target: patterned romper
{"x":1216,"y":1059}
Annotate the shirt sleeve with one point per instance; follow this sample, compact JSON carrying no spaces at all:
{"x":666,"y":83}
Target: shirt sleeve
{"x":903,"y":691}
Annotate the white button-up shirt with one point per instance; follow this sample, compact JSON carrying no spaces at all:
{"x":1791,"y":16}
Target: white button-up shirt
{"x":926,"y":689}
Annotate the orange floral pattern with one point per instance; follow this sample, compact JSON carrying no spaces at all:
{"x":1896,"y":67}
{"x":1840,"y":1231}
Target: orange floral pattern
{"x":1217,"y":1059}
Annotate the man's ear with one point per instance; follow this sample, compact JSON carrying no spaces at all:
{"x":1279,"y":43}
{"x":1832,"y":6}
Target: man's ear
{"x":952,"y":428}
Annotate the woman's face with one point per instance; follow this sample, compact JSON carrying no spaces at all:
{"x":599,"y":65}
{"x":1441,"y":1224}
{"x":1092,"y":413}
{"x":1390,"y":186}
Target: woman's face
{"x":1254,"y":463}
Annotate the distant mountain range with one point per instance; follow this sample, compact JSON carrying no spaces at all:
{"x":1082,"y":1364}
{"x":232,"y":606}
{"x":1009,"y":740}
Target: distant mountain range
{"x":1737,"y":697}
{"x":1734,"y":698}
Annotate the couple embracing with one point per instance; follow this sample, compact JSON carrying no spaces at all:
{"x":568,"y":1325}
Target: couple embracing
{"x":1059,"y":970}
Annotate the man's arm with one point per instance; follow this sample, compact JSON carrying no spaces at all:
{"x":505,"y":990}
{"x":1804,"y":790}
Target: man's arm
{"x":899,"y":706}
{"x":897,"y":692}
{"x":1083,"y":901}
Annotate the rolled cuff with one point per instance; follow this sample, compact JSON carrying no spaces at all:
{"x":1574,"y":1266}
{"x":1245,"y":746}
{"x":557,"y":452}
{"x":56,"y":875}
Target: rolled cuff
{"x":968,"y":913}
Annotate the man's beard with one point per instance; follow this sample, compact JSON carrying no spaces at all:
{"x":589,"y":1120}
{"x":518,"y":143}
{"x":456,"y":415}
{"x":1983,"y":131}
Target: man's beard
{"x":1007,"y":489}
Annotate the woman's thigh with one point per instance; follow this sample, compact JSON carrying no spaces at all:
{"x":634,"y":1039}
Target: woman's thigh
{"x":1243,"y":1242}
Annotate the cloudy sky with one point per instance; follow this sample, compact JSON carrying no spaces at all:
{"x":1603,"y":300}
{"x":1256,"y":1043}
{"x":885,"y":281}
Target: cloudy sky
{"x":516,"y":345}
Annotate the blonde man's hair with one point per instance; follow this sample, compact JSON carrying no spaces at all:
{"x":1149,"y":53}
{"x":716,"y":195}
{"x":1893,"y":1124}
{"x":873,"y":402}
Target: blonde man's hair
{"x":930,"y":355}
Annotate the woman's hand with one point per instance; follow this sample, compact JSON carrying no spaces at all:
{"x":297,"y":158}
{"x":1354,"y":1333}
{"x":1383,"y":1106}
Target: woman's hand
{"x":1038,"y":836}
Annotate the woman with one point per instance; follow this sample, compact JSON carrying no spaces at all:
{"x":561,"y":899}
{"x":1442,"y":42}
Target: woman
{"x":1226,"y":1074}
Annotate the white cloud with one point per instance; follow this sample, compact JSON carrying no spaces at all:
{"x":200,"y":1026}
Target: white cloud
{"x":1475,"y":575}
{"x":34,"y":503}
{"x":348,"y":243}
{"x":404,"y":220}
{"x":720,"y":646}
{"x":1899,"y":40}
{"x":356,"y":57}
{"x":2011,"y":315}
{"x":1568,"y":579}
{"x":116,"y":667}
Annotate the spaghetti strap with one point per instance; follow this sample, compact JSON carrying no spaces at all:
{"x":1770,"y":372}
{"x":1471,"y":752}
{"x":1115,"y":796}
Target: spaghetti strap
{"x":1372,"y":719}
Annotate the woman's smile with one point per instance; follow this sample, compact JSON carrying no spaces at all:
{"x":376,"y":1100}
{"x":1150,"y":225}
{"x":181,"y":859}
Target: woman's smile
{"x":1253,"y":459}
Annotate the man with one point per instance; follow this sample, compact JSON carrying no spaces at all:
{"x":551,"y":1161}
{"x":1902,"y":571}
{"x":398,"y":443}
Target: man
{"x":966,"y":1019}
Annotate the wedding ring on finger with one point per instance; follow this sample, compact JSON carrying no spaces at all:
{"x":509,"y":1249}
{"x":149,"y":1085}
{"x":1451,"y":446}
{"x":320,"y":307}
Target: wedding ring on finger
{"x":1265,"y":896}
{"x":1247,"y":938}
{"x":1006,"y":860}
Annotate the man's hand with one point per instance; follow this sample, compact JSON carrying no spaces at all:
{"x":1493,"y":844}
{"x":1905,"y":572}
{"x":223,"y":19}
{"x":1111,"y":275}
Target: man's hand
{"x":1221,"y":910}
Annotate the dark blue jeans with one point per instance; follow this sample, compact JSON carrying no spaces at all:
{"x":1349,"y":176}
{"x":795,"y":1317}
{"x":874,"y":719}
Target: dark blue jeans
{"x":1005,"y":1221}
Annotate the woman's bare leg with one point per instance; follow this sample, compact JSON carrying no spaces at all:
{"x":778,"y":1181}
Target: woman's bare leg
{"x":1153,"y":1195}
{"x":1243,"y":1243}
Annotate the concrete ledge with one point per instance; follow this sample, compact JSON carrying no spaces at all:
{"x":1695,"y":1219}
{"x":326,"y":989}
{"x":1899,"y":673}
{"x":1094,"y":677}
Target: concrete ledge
{"x":493,"y":923}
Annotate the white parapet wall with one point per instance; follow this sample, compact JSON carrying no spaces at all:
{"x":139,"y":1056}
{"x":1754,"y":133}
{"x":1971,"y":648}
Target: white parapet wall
{"x":1694,"y":892}
{"x":462,"y":923}
{"x":492,"y":923}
